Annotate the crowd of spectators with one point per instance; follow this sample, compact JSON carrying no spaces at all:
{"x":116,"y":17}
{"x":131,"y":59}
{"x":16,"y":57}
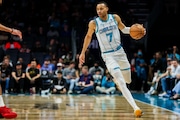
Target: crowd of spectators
{"x":56,"y":77}
{"x":160,"y":75}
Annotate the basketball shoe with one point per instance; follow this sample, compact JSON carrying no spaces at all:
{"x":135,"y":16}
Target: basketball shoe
{"x":138,"y":113}
{"x":6,"y":112}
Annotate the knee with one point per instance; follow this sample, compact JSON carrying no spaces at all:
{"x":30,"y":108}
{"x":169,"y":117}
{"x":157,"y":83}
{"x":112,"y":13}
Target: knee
{"x":98,"y":88}
{"x":119,"y":82}
{"x":127,"y":76}
{"x":91,"y":87}
{"x":72,"y":81}
{"x":128,"y":81}
{"x":112,"y":88}
{"x":163,"y":79}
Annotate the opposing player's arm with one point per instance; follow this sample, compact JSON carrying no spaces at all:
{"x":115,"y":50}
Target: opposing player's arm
{"x":121,"y":25}
{"x":11,"y":31}
{"x":5,"y":29}
{"x":88,"y":37}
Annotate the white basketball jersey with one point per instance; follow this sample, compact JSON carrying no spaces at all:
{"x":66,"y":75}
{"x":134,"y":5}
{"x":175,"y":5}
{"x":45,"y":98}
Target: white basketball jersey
{"x":108,"y":34}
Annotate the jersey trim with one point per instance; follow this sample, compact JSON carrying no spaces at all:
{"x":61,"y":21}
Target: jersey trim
{"x":104,"y":20}
{"x":96,"y":30}
{"x":118,"y":48}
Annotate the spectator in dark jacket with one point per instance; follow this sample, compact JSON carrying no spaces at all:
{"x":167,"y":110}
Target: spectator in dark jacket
{"x":59,"y":84}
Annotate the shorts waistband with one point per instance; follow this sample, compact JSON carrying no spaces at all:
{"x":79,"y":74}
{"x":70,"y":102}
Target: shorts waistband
{"x":109,"y":51}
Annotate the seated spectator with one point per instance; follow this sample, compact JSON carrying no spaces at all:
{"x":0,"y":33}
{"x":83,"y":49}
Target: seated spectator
{"x":47,"y":66}
{"x":107,"y":85}
{"x":169,"y":81}
{"x":95,"y":67}
{"x":97,"y":78}
{"x":59,"y":84}
{"x":6,"y":67}
{"x":85,"y":84}
{"x":7,"y":61}
{"x":5,"y":74}
{"x":18,"y":77}
{"x":46,"y":78}
{"x":20,"y":59}
{"x":33,"y":75}
{"x":156,"y":64}
{"x":155,"y":84}
{"x":38,"y":65}
{"x":69,"y":73}
{"x":173,"y":53}
{"x":59,"y":68}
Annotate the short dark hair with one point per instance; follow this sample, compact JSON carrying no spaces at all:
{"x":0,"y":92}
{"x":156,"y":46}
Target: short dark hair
{"x":98,"y":70}
{"x":34,"y":59}
{"x":103,"y":2}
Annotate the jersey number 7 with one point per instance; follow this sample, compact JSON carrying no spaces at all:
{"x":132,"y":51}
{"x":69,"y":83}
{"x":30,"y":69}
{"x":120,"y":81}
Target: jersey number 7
{"x":109,"y":36}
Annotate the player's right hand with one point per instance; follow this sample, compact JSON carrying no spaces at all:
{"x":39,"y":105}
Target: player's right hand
{"x":81,"y":59}
{"x":17,"y":32}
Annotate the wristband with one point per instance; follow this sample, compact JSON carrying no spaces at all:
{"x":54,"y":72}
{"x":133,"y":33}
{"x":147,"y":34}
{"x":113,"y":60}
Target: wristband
{"x":126,"y":30}
{"x":12,"y":29}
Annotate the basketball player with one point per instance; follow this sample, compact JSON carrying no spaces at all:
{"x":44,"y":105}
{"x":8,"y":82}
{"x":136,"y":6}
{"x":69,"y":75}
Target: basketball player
{"x":6,"y":112}
{"x":106,"y":27}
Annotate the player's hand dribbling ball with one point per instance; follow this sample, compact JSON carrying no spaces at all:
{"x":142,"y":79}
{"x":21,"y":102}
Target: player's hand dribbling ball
{"x":137,"y":31}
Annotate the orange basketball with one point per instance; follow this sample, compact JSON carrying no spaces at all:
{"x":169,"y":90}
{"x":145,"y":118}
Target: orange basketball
{"x":137,"y":31}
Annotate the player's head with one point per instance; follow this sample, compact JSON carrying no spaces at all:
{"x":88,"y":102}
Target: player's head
{"x":102,"y":9}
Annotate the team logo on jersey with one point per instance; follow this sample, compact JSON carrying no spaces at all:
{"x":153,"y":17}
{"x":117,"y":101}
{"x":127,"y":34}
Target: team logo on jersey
{"x":108,"y":28}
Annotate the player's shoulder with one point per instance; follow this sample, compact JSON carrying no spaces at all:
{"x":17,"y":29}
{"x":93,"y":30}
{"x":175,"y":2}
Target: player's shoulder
{"x":115,"y":16}
{"x":92,"y":22}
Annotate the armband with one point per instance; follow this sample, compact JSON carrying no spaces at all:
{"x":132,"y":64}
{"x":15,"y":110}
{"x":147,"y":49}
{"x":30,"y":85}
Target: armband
{"x":126,"y":30}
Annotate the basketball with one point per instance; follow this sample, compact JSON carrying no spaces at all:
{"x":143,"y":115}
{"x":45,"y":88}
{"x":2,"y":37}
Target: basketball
{"x":137,"y":31}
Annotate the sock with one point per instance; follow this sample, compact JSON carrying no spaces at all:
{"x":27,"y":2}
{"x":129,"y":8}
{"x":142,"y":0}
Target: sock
{"x":1,"y":101}
{"x":120,"y":82}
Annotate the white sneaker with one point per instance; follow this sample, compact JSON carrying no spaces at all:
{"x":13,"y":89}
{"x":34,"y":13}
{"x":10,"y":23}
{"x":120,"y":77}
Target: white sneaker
{"x":154,"y":92}
{"x":149,"y":92}
{"x":162,"y":94}
{"x":70,"y":92}
{"x":6,"y":92}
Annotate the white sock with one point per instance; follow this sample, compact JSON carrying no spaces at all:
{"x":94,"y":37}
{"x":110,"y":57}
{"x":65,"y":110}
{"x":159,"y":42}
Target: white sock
{"x":1,"y":101}
{"x":120,"y":82}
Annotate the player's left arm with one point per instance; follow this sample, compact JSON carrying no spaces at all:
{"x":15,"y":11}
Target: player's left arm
{"x":121,"y":25}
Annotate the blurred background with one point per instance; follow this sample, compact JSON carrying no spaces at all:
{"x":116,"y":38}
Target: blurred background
{"x":65,"y":21}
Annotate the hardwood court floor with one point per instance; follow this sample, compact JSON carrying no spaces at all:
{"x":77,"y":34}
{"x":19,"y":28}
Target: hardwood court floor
{"x":82,"y":107}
